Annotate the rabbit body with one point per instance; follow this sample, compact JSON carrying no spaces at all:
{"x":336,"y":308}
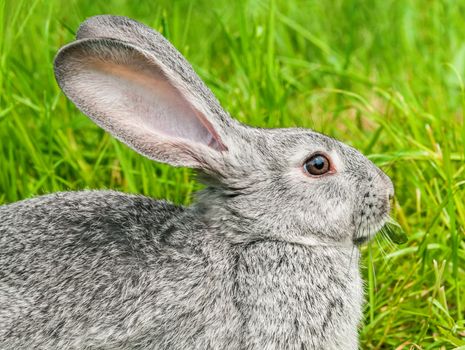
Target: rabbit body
{"x":107,"y":270}
{"x":265,"y":258}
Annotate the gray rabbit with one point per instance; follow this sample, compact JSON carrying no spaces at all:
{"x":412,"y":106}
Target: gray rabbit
{"x":266,"y":258}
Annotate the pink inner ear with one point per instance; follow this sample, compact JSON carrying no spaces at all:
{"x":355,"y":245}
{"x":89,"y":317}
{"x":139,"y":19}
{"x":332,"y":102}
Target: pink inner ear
{"x":137,"y":93}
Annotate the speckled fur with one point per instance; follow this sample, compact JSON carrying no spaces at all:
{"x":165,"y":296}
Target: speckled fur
{"x":264,"y":259}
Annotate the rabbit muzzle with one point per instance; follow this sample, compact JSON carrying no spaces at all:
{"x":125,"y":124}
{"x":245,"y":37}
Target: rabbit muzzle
{"x":373,"y":208}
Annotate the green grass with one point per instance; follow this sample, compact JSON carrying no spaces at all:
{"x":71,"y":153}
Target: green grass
{"x":384,"y":76}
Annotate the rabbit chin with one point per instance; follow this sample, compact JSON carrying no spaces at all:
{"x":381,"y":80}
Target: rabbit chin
{"x":366,"y":232}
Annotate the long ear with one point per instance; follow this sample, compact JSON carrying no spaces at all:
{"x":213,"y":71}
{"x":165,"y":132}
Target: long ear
{"x":133,"y":32}
{"x":148,"y":98}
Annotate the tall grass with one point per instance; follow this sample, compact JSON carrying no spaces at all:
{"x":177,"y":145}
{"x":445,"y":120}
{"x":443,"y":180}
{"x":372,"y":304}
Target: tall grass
{"x":384,"y":76}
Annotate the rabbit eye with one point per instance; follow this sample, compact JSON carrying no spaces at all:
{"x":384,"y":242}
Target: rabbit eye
{"x":318,"y":164}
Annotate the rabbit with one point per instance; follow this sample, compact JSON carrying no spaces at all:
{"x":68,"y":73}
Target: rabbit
{"x":265,"y":258}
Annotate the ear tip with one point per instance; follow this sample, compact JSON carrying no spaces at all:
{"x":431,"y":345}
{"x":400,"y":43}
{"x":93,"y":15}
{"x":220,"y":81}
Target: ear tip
{"x":100,"y":26}
{"x":58,"y":63}
{"x":66,"y":58}
{"x":61,"y":68}
{"x":88,"y":28}
{"x":78,"y":51}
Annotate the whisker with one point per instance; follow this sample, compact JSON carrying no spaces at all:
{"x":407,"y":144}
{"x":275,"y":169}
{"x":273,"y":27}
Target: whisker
{"x":350,"y":261}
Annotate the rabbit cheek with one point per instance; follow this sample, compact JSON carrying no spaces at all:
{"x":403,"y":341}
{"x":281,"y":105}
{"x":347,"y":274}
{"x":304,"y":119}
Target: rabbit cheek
{"x":336,"y":212}
{"x":325,"y":206}
{"x":330,"y":218}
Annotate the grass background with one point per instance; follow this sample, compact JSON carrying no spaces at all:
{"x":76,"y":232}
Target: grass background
{"x":384,"y":76}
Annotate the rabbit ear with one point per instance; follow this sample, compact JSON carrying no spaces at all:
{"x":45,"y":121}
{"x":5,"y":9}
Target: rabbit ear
{"x":150,"y":41}
{"x":147,"y":96}
{"x":121,"y":28}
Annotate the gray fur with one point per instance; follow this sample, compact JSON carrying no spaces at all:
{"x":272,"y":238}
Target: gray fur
{"x":264,"y":259}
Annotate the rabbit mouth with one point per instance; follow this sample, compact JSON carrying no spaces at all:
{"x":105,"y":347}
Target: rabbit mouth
{"x":368,"y":229}
{"x":360,"y":240}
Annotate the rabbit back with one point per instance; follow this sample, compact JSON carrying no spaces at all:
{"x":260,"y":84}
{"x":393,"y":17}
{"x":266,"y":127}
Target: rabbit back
{"x":102,"y":269}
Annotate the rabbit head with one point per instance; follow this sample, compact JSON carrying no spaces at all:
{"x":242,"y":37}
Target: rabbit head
{"x":292,"y":184}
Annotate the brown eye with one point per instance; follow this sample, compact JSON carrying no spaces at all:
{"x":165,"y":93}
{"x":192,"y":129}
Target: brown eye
{"x":317,"y":164}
